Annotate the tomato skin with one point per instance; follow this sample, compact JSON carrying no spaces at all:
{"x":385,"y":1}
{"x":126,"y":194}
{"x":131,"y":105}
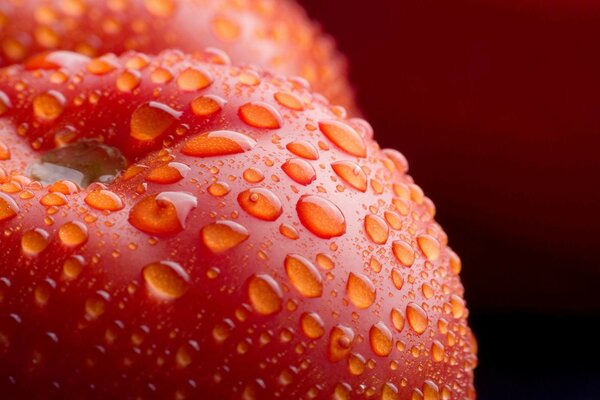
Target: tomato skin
{"x":207,"y":269}
{"x":273,"y":34}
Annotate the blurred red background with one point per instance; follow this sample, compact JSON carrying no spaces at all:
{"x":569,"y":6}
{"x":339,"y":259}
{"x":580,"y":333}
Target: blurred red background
{"x":496,"y":105}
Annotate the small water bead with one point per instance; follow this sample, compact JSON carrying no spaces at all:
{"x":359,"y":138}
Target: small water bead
{"x":186,"y":353}
{"x":417,"y":318}
{"x":352,"y":174}
{"x":397,"y":319}
{"x":260,"y":203}
{"x":430,"y":246}
{"x":48,"y":106}
{"x":219,"y":189}
{"x":376,"y":229}
{"x":222,"y":330}
{"x":4,"y":152}
{"x":260,"y":115}
{"x":312,"y":325}
{"x":73,"y":266}
{"x":194,"y":79}
{"x":304,"y":276}
{"x":341,"y":338}
{"x":299,"y":170}
{"x":95,"y":305}
{"x":162,"y":214}
{"x":8,"y":208}
{"x":170,"y":173}
{"x":225,"y":29}
{"x":221,"y":236}
{"x":404,"y":253}
{"x":166,"y":280}
{"x":128,"y":80}
{"x":344,"y":137}
{"x":73,"y":234}
{"x":217,"y":143}
{"x":207,"y":105}
{"x":253,"y":175}
{"x":321,"y":216}
{"x":360,"y":290}
{"x":303,"y":149}
{"x":265,"y":294}
{"x":151,"y":120}
{"x":35,"y":241}
{"x":104,"y":200}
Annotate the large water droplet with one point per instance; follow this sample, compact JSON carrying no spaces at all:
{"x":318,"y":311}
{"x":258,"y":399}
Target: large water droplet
{"x":430,"y":246}
{"x":260,"y":203}
{"x":340,"y":342}
{"x":417,"y":318}
{"x":217,"y":143}
{"x":360,"y":290}
{"x":404,"y":252}
{"x":104,"y":200}
{"x":73,"y":234}
{"x":299,"y":170}
{"x":265,"y":294}
{"x":380,"y":339}
{"x":321,"y":216}
{"x":162,"y":214}
{"x":260,"y":115}
{"x":304,"y":276}
{"x":166,"y":279}
{"x":221,"y":236}
{"x":8,"y":208}
{"x":376,"y":229}
{"x":303,"y":149}
{"x":344,"y":136}
{"x":312,"y":325}
{"x":35,"y":241}
{"x":351,"y":173}
{"x":289,"y":100}
{"x":48,"y":106}
{"x":151,"y":120}
{"x":194,"y":79}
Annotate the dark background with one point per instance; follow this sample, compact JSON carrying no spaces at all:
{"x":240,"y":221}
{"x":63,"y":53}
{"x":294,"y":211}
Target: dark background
{"x":496,"y":104}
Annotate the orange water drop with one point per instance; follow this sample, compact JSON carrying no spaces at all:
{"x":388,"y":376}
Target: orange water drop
{"x":35,"y":241}
{"x":128,"y":80}
{"x":225,"y":29}
{"x":53,"y":199}
{"x":260,"y":203}
{"x":398,"y":159}
{"x":288,"y":231}
{"x":194,"y":79}
{"x":340,"y":342}
{"x":304,"y":276}
{"x":389,"y":392}
{"x":64,"y":187}
{"x":166,"y":279}
{"x":303,"y":149}
{"x":4,"y":152}
{"x":260,"y":115}
{"x":222,"y":330}
{"x":217,"y":143}
{"x":360,"y":290}
{"x":48,"y":106}
{"x":325,"y":262}
{"x":8,"y":208}
{"x":404,"y":252}
{"x":253,"y":175}
{"x":221,"y":236}
{"x":73,"y":234}
{"x":104,"y":200}
{"x":160,"y":8}
{"x":455,"y":262}
{"x":344,"y":137}
{"x":312,"y":325}
{"x":321,"y":216}
{"x":299,"y":170}
{"x":151,"y":120}
{"x":167,"y":174}
{"x":397,"y":278}
{"x":430,"y":246}
{"x":430,"y":391}
{"x":289,"y":100}
{"x":417,"y":318}
{"x":73,"y":266}
{"x":397,"y":319}
{"x":376,"y":229}
{"x":101,"y":66}
{"x":162,"y":214}
{"x":380,"y":339}
{"x":207,"y":105}
{"x":351,"y":173}
{"x":265,"y":294}
{"x":219,"y":189}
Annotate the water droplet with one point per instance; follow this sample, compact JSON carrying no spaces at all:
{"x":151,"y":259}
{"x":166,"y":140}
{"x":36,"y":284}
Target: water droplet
{"x":397,"y":278}
{"x":299,"y":170}
{"x":160,"y":8}
{"x":221,"y":236}
{"x":398,"y":159}
{"x":73,"y":234}
{"x":417,"y":318}
{"x":289,"y":100}
{"x":222,"y":330}
{"x":360,"y":290}
{"x":53,"y":200}
{"x":128,"y":80}
{"x":249,"y":77}
{"x":253,"y":175}
{"x":404,"y":253}
{"x":225,"y":29}
{"x":260,"y":203}
{"x":194,"y":79}
{"x":344,"y":137}
{"x":288,"y":231}
{"x":397,"y":319}
{"x":303,"y":149}
{"x":389,"y":392}
{"x":437,"y":351}
{"x":104,"y":200}
{"x":304,"y":276}
{"x":48,"y":106}
{"x":95,"y":305}
{"x":429,"y":246}
{"x":356,"y":364}
{"x":207,"y":105}
{"x":455,"y":262}
{"x":35,"y":241}
{"x":167,"y":174}
{"x":340,"y":342}
{"x":430,"y":391}
{"x":162,"y":214}
{"x":219,"y":189}
{"x":4,"y":152}
{"x":260,"y":115}
{"x":380,"y":339}
{"x":101,"y":66}
{"x":351,"y":173}
{"x":166,"y":279}
{"x":151,"y":120}
{"x":320,"y":216}
{"x":217,"y":143}
{"x":185,"y":354}
{"x":458,"y":306}
{"x":312,"y":325}
{"x":8,"y":208}
{"x":73,"y":266}
{"x":325,"y":262}
{"x":265,"y":294}
{"x":376,"y":229}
